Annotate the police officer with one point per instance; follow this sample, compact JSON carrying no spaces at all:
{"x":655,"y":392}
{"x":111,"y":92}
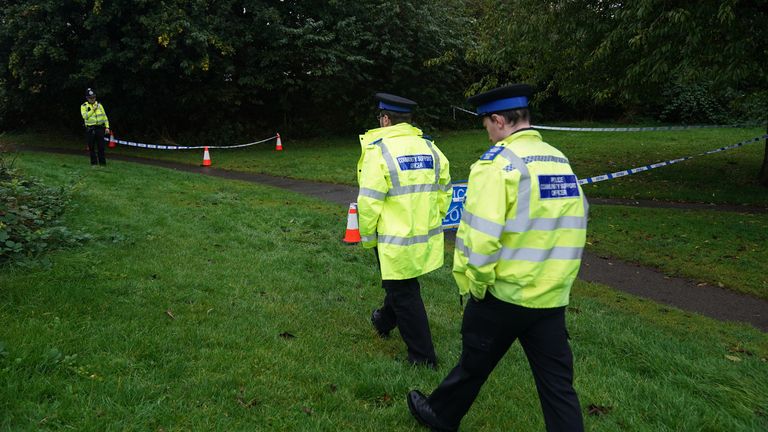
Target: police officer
{"x":405,"y":191}
{"x":96,"y":125}
{"x":518,"y":250}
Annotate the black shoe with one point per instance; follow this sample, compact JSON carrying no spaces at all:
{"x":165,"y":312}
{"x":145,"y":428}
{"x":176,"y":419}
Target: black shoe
{"x":420,"y":409}
{"x":376,"y":321}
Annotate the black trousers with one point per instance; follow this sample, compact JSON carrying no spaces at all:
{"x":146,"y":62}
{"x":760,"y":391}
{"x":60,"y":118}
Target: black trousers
{"x":489,"y":328}
{"x":94,"y":137}
{"x":404,"y":308}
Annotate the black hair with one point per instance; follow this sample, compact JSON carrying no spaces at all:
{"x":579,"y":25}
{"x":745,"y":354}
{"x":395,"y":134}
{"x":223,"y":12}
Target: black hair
{"x":514,"y":115}
{"x":398,"y":117}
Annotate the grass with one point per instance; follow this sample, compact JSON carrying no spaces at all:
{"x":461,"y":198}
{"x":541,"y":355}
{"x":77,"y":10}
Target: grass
{"x":206,"y":304}
{"x":727,"y":177}
{"x":720,"y":248}
{"x":711,"y":247}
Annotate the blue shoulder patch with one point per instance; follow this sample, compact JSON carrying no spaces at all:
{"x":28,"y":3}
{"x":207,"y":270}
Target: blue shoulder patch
{"x":492,"y":153}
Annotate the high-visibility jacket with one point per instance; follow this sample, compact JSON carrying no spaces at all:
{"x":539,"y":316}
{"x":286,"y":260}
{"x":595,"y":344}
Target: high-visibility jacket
{"x":523,"y":226}
{"x":94,"y":114}
{"x":405,"y":191}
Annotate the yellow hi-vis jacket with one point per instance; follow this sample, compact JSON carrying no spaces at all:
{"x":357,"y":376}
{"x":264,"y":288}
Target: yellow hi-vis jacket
{"x":405,"y":191}
{"x":523,"y":226}
{"x":94,"y":114}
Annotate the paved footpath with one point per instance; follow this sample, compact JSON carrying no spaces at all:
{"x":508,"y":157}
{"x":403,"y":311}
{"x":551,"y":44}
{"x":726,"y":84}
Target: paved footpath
{"x":645,"y":282}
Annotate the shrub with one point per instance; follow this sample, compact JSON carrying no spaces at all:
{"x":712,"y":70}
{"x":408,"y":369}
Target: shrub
{"x":690,"y":104}
{"x":30,"y":216}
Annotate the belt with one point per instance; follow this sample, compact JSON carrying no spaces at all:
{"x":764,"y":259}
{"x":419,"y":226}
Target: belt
{"x":101,"y":126}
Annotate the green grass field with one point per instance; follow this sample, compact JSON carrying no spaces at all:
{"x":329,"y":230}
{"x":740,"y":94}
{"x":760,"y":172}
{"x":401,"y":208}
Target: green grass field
{"x":723,"y":249}
{"x":206,"y":304}
{"x":727,"y":177}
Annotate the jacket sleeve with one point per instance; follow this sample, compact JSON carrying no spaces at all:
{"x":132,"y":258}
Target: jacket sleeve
{"x":446,"y":193}
{"x":373,"y":190}
{"x":484,"y":218}
{"x":84,"y":111}
{"x":106,"y":119}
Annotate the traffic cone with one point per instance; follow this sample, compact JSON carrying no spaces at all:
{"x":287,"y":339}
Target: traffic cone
{"x":112,"y":143}
{"x":206,"y":157}
{"x":278,"y":144}
{"x":353,"y":230}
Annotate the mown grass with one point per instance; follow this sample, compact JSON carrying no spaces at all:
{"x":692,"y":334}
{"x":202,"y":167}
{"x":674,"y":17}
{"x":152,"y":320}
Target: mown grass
{"x":205,"y":304}
{"x":710,"y":247}
{"x":720,"y":248}
{"x":726,"y":177}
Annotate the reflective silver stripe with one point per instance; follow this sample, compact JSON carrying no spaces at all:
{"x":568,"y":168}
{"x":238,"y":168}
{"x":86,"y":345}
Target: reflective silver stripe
{"x":545,"y":158}
{"x":373,"y":194}
{"x":404,"y":190}
{"x":483,"y":225}
{"x":436,"y":161}
{"x":523,"y":190}
{"x":546,"y":224}
{"x":407,"y":241}
{"x":474,"y":258}
{"x":540,"y":255}
{"x":390,"y":163}
{"x":445,"y":187}
{"x":519,"y":254}
{"x":368,"y":238}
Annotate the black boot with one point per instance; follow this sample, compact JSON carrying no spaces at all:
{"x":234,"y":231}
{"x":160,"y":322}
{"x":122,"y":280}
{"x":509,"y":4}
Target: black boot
{"x":420,"y":409}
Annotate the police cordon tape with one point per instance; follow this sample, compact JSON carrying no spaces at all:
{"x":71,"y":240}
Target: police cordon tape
{"x":453,"y":216}
{"x":173,"y":147}
{"x":623,"y":129}
{"x":643,"y":168}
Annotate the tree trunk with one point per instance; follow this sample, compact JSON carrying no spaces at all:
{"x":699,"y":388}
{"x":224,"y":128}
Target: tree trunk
{"x":764,"y":168}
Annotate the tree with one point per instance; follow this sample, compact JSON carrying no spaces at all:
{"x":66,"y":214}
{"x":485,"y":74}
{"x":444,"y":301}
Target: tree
{"x":597,"y":52}
{"x":219,"y":69}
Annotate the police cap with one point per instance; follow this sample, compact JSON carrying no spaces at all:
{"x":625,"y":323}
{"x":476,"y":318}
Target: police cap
{"x":394,"y":103}
{"x":90,"y":93}
{"x":505,"y":98}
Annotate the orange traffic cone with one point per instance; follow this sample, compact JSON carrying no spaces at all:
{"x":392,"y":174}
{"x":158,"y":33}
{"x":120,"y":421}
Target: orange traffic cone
{"x":206,"y":157}
{"x":353,"y":230}
{"x":112,"y":143}
{"x":278,"y":144}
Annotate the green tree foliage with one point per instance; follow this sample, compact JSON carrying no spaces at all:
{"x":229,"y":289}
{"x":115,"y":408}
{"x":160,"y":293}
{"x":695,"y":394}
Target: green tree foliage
{"x":629,"y":56}
{"x":226,"y":67}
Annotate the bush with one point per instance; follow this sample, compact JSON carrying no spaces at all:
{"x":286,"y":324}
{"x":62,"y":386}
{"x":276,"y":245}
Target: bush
{"x":690,"y":104}
{"x":30,"y":216}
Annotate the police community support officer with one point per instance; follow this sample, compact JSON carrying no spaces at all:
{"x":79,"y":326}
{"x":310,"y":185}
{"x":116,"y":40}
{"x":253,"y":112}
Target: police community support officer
{"x":96,"y":125}
{"x":518,"y":250}
{"x":405,"y":191}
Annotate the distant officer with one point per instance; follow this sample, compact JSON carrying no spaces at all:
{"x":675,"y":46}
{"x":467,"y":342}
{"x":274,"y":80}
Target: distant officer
{"x":518,"y":250}
{"x":405,"y":191}
{"x":96,"y":125}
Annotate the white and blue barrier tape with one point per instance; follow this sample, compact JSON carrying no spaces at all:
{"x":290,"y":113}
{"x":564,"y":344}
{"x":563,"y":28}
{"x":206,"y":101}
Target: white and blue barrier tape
{"x":174,"y":147}
{"x":453,"y":217}
{"x":624,"y":173}
{"x":620,"y":129}
{"x":633,"y":129}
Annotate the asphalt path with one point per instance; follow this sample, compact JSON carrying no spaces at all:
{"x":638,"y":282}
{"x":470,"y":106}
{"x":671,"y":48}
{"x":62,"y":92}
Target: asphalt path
{"x":685,"y":294}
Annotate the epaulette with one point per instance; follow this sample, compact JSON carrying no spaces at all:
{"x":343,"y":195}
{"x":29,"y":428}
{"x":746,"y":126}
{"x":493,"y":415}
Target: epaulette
{"x":491,"y":153}
{"x":373,"y":143}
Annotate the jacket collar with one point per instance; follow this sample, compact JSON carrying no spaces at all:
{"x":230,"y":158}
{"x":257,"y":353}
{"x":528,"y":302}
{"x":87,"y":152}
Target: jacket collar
{"x":517,"y":135}
{"x":400,"y":129}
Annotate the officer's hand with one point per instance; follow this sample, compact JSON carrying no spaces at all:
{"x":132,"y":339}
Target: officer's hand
{"x":106,"y":131}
